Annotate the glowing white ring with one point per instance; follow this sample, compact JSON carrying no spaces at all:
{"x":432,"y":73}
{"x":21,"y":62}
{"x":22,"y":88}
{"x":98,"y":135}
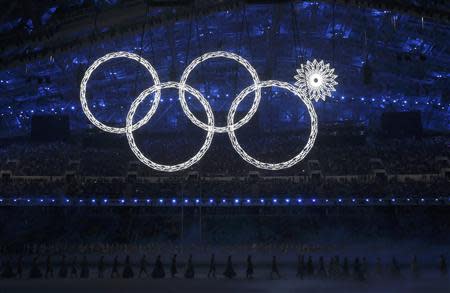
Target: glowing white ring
{"x":303,"y":152}
{"x":228,"y":55}
{"x":196,"y":157}
{"x":87,"y":75}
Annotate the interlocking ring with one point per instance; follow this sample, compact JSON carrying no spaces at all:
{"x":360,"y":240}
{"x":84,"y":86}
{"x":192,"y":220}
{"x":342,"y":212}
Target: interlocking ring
{"x":141,"y":156}
{"x":94,"y":66}
{"x":303,"y":152}
{"x":228,"y":55}
{"x":304,"y":91}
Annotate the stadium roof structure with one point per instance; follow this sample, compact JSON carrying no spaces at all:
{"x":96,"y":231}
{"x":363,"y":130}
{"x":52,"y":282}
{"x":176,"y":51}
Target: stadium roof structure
{"x":389,"y":55}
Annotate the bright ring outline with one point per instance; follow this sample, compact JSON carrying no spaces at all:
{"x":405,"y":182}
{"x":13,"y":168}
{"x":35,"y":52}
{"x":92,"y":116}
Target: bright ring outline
{"x":97,"y":63}
{"x":311,"y":138}
{"x":209,"y":127}
{"x":137,"y":151}
{"x":227,"y":55}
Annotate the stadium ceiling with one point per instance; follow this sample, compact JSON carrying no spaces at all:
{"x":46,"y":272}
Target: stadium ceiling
{"x":46,"y":45}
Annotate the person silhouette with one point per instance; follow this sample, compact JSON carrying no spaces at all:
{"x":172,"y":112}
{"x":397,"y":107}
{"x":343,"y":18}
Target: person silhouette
{"x":415,"y":271}
{"x":173,"y":266}
{"x":310,"y":267}
{"x":301,"y":266}
{"x":115,"y":268}
{"x":274,"y":270}
{"x":143,"y":267}
{"x":443,"y":266}
{"x":229,"y":271}
{"x":345,"y":269}
{"x":212,"y":267}
{"x":63,"y":271}
{"x":7,"y":272}
{"x":365,"y":268}
{"x":101,"y":267}
{"x":48,"y":268}
{"x":395,"y":269}
{"x":321,"y":272}
{"x":73,"y":268}
{"x":357,"y":270}
{"x":127,"y":270}
{"x":19,"y":268}
{"x":378,"y":267}
{"x":249,"y":273}
{"x":189,"y":273}
{"x":158,"y":270}
{"x":35,"y":272}
{"x":84,"y":274}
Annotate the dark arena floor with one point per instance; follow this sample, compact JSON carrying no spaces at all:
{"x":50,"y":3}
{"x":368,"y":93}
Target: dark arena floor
{"x":209,"y":146}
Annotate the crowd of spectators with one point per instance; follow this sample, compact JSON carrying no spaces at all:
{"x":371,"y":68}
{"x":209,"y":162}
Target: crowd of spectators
{"x":397,"y":156}
{"x":107,"y":170}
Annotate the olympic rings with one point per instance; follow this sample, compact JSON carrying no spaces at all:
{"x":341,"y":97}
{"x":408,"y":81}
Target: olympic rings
{"x":300,"y":91}
{"x":94,"y":66}
{"x":304,"y":151}
{"x":228,"y":55}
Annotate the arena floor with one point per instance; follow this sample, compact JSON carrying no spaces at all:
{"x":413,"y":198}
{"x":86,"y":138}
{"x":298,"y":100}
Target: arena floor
{"x":221,"y":285}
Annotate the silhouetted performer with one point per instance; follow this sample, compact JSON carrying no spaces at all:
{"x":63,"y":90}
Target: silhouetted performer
{"x":143,"y":267}
{"x":73,"y":268}
{"x":101,"y":267}
{"x":365,"y":268}
{"x":189,"y":273}
{"x":84,"y":268}
{"x":19,"y":268}
{"x":443,"y":266}
{"x":127,"y":270}
{"x":158,"y":270}
{"x":321,"y":272}
{"x":357,"y":270}
{"x":7,"y":272}
{"x":395,"y":269}
{"x":173,"y":266}
{"x":309,"y":267}
{"x":301,"y":267}
{"x":63,"y":271}
{"x":35,"y":272}
{"x":48,"y":268}
{"x":229,"y":271}
{"x":115,"y":268}
{"x":337,"y":266}
{"x":415,"y":268}
{"x":212,"y":267}
{"x":249,"y":274}
{"x":331,"y":268}
{"x":378,"y":267}
{"x":345,"y":269}
{"x":274,"y":270}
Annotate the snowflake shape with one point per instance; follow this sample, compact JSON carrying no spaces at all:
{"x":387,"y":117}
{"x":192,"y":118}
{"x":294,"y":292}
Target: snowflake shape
{"x":316,"y":79}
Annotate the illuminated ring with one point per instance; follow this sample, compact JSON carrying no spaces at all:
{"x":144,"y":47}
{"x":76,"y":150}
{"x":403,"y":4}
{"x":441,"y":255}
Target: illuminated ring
{"x":312,"y":135}
{"x":227,"y":55}
{"x":196,"y":157}
{"x":87,"y":75}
